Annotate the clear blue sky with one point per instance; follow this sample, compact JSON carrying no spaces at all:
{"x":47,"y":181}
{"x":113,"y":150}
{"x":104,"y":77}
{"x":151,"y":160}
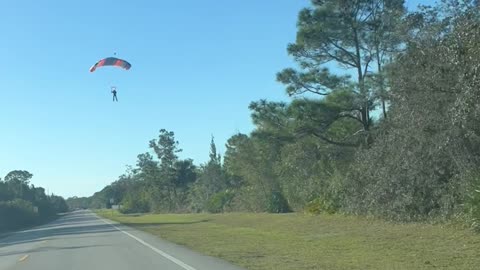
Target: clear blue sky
{"x":196,"y":65}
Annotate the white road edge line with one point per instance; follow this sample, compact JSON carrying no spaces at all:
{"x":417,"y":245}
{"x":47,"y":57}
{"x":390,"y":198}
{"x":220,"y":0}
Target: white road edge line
{"x":162,"y":253}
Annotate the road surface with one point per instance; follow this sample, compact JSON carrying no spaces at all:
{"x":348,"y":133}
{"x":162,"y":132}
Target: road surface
{"x":83,"y":241}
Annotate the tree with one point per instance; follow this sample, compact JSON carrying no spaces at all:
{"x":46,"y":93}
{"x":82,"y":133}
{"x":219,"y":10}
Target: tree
{"x":253,"y":159}
{"x":426,"y":156}
{"x":17,"y":182}
{"x":5,"y":195}
{"x":211,"y":181}
{"x":147,"y":167}
{"x":22,"y":204}
{"x":58,"y":204}
{"x":326,"y":119}
{"x":165,"y":190}
{"x":78,"y":202}
{"x":166,"y":149}
{"x":19,"y":176}
{"x":385,"y":40}
{"x":354,"y":35}
{"x":186,"y":174}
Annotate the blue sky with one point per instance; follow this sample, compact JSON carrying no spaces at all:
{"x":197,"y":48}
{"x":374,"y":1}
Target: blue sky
{"x":196,"y":65}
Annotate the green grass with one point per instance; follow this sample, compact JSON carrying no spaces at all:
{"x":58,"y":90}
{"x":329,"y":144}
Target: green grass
{"x":297,"y":241}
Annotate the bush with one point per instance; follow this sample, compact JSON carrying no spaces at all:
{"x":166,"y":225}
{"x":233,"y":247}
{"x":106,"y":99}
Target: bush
{"x":16,"y":214}
{"x":472,"y":206}
{"x":134,"y":204}
{"x":278,"y":203}
{"x":248,"y":199}
{"x":220,"y":201}
{"x":318,"y":206}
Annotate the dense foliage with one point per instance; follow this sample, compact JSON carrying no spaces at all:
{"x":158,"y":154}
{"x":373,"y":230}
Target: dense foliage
{"x":397,"y":139}
{"x":22,"y":204}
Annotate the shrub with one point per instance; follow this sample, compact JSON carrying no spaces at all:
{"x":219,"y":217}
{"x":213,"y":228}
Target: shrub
{"x":472,"y":206}
{"x":16,"y":214}
{"x":220,"y":201}
{"x":134,"y":204}
{"x":318,"y":206}
{"x":278,"y":203}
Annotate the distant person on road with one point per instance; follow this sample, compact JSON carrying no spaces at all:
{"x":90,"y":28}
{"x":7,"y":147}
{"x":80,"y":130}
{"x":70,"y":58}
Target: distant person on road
{"x":114,"y":92}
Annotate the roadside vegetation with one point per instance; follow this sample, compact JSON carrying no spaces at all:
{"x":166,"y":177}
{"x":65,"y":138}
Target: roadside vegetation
{"x":391,"y":132}
{"x":379,"y":142}
{"x":297,"y":241}
{"x":23,"y":204}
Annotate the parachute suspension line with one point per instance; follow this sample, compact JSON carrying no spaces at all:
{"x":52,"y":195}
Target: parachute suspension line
{"x":113,"y":88}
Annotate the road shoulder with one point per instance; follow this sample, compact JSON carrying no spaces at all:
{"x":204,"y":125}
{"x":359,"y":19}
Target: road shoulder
{"x":180,"y":253}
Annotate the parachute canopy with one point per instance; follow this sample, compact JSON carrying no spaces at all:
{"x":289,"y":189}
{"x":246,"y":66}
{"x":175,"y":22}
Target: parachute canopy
{"x":111,"y":61}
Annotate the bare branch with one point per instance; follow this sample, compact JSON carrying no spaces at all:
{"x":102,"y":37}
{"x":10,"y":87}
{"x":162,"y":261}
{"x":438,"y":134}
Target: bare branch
{"x":341,"y":60}
{"x":367,"y":65}
{"x":324,"y":138}
{"x":347,"y":115}
{"x":335,"y":44}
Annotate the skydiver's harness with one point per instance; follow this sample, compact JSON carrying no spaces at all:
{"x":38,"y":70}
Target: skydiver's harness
{"x":114,"y":92}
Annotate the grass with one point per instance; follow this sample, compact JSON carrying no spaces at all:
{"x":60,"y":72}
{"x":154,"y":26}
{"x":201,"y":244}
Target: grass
{"x":297,"y":241}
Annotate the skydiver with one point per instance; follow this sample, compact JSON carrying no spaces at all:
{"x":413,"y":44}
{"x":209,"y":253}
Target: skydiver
{"x":114,"y":92}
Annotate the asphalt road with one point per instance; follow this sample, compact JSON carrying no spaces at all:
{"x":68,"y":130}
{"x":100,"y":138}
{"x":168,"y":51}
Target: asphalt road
{"x":81,"y":240}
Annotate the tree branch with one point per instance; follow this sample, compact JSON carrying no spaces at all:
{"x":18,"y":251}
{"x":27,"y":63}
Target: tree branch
{"x":324,"y":138}
{"x":367,"y":65}
{"x":346,"y":115}
{"x":342,"y":49}
{"x":340,"y":60}
{"x":312,"y":90}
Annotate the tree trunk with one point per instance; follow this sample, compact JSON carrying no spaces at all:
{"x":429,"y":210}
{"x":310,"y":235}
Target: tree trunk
{"x":381,"y":82}
{"x":361,"y":83}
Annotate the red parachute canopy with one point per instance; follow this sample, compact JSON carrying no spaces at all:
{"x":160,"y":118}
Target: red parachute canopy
{"x":111,"y":61}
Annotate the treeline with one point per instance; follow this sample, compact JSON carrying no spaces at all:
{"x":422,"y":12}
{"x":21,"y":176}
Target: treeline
{"x":165,"y":183}
{"x":23,"y":204}
{"x":393,"y":132}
